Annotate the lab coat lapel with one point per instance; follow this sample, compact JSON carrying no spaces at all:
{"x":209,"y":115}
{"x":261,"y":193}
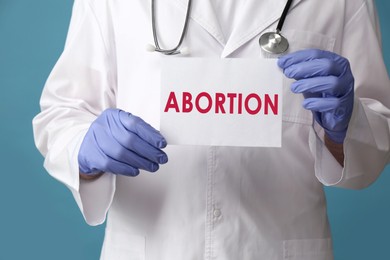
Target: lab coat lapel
{"x":202,"y":12}
{"x":256,"y":16}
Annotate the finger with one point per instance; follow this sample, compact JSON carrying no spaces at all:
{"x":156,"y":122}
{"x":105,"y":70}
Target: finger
{"x":144,"y":149}
{"x":306,"y":55}
{"x":313,"y":68}
{"x":329,"y":85}
{"x":142,"y":129}
{"x":105,"y":163}
{"x":121,"y":168}
{"x":133,"y":142}
{"x":136,"y":161}
{"x":321,"y":104}
{"x":114,"y":150}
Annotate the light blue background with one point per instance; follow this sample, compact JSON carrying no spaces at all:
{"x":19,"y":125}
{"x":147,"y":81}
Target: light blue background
{"x":38,"y":216}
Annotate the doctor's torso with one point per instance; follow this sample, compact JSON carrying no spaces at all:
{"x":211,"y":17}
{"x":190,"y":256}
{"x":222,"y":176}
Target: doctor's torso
{"x":216,"y":202}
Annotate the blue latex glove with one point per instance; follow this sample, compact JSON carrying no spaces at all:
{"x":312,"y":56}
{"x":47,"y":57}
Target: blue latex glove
{"x":326,"y":81}
{"x":121,"y":143}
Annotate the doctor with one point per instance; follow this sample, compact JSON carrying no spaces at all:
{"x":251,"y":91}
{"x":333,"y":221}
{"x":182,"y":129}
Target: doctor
{"x":100,"y":109}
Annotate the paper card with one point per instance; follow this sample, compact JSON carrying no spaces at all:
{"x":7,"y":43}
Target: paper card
{"x":221,"y":102}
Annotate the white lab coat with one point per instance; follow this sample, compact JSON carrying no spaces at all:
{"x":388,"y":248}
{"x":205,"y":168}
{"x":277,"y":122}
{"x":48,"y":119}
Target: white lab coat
{"x":213,"y":202}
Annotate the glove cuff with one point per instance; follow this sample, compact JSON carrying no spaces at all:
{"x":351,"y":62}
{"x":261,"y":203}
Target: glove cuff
{"x":336,"y":136}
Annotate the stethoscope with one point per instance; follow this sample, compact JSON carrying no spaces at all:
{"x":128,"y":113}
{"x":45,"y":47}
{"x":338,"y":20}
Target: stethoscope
{"x":271,"y":42}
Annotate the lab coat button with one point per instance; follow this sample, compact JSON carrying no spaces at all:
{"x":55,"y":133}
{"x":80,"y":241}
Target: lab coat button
{"x":217,"y":213}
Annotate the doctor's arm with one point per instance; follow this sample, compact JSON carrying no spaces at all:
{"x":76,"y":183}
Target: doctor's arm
{"x":81,"y":85}
{"x":367,"y":143}
{"x":366,"y":138}
{"x":327,"y":84}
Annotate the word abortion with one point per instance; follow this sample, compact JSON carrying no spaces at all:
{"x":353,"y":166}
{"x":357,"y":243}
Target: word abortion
{"x":223,"y":103}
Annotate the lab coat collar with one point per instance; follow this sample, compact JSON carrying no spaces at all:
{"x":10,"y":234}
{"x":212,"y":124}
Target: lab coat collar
{"x":256,"y":16}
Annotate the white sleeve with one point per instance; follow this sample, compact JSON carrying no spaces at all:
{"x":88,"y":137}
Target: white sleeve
{"x":367,"y":144}
{"x":81,"y":85}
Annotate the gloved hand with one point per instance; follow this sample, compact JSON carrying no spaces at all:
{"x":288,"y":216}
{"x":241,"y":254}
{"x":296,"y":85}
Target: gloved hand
{"x":327,"y":84}
{"x":121,"y":143}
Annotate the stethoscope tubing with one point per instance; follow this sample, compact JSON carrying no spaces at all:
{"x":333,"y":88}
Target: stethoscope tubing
{"x":266,"y":41}
{"x":283,"y":16}
{"x":184,"y":31}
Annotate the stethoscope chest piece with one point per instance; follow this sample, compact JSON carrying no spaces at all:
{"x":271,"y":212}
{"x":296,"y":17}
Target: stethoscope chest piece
{"x":273,"y":42}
